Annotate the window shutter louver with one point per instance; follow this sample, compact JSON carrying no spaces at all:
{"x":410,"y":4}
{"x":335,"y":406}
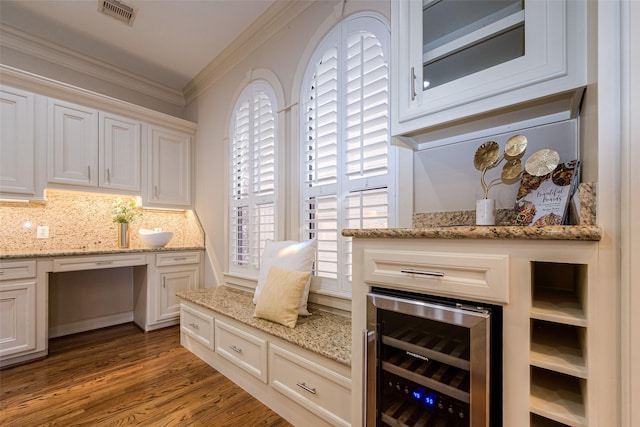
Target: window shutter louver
{"x":345,"y":139}
{"x":253,"y":176}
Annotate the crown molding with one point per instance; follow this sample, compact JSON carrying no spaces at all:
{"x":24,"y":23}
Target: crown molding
{"x":44,"y":86}
{"x":21,"y":41}
{"x":274,"y":19}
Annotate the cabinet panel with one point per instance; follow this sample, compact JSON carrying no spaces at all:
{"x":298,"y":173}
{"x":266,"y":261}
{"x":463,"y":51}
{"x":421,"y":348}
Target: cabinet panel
{"x":17,"y":142}
{"x":120,"y":153}
{"x":169,"y":175}
{"x":17,"y":317}
{"x":456,"y":59}
{"x":468,"y":276}
{"x":197,"y":325}
{"x":242,"y":349}
{"x":172,"y":280}
{"x":318,"y":389}
{"x":72,"y":144}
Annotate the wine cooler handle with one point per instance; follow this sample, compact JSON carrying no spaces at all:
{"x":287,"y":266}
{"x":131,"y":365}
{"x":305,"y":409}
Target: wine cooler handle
{"x":422,"y":272}
{"x":366,"y":337}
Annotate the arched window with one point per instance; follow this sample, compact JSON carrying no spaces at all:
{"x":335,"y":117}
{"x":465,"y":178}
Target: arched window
{"x":345,"y":152}
{"x":253,"y":169}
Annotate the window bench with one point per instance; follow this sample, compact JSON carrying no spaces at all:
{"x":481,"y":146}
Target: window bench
{"x":303,"y":373}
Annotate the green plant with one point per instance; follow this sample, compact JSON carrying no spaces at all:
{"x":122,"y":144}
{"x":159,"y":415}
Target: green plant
{"x":125,"y":211}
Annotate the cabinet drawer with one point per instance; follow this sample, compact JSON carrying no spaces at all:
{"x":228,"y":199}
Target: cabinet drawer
{"x":476,"y":276}
{"x":242,"y":349}
{"x":10,"y":270}
{"x":318,"y":389}
{"x":177,"y":258}
{"x":96,"y":262}
{"x":197,"y":325}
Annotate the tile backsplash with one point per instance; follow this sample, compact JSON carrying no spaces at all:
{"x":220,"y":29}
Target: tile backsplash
{"x":79,"y":220}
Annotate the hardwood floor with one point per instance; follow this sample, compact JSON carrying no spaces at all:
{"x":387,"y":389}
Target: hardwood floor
{"x":121,"y":376}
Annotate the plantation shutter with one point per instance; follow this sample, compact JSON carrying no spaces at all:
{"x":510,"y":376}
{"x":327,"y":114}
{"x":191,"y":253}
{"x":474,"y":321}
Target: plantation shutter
{"x":345,"y":131}
{"x":253,"y":176}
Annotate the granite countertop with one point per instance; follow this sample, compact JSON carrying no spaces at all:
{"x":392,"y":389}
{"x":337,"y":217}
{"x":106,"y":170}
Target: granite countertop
{"x":568,"y":232}
{"x":36,"y":253}
{"x":324,"y":333}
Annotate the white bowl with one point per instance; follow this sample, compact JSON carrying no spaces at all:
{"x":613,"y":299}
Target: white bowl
{"x":155,"y":239}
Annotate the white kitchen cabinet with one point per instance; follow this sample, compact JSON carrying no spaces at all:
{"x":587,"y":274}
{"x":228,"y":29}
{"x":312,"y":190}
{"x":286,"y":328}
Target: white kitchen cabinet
{"x":174,"y":272}
{"x":17,"y":308}
{"x":454,"y":59}
{"x":18,"y":149}
{"x":302,"y":386}
{"x":553,"y":319}
{"x":170,"y":175}
{"x":318,"y":389}
{"x":72,"y":144}
{"x":120,"y":153}
{"x":93,"y":149}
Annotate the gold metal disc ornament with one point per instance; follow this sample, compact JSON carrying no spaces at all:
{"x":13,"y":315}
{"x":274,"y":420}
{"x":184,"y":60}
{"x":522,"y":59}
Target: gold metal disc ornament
{"x":515,"y":147}
{"x":542,"y":162}
{"x":511,"y":171}
{"x":487,"y":155}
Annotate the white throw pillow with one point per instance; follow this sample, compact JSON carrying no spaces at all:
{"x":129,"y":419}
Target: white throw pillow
{"x":288,"y":255}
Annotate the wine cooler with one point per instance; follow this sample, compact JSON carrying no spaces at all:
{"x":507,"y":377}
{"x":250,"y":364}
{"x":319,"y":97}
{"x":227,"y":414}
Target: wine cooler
{"x":430,"y":361}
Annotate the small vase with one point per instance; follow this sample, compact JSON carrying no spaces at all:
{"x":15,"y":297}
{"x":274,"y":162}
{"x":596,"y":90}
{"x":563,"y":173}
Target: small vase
{"x":123,"y":235}
{"x":485,"y":212}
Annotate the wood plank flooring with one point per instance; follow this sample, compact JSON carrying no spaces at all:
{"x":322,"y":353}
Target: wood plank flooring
{"x":121,"y":376}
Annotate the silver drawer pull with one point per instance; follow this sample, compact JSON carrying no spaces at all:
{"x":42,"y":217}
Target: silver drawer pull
{"x":305,"y":387}
{"x":104,"y":262}
{"x":422,"y":272}
{"x":236,"y":349}
{"x":180,"y":259}
{"x":194,"y":325}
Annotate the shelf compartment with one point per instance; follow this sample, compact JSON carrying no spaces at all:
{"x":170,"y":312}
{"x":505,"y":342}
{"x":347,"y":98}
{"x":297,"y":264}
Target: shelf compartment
{"x":558,"y":292}
{"x":440,"y":377}
{"x":558,"y":347}
{"x":557,"y":397}
{"x":538,"y":421}
{"x":438,"y":343}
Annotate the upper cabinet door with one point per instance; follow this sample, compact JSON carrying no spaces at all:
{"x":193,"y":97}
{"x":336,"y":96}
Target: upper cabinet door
{"x":17,"y":143}
{"x":120,"y":153}
{"x":454,"y":59}
{"x":72,"y":144}
{"x":169,"y":169}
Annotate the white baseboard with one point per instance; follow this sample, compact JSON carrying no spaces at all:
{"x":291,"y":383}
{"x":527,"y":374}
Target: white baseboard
{"x":90,"y":324}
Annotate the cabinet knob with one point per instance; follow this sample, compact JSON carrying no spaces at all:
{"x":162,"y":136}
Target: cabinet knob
{"x":89,"y":173}
{"x":109,"y":175}
{"x":194,"y":325}
{"x":236,"y":349}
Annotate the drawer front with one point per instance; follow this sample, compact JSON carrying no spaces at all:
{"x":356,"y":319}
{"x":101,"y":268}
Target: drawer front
{"x":177,"y":258}
{"x":197,"y":325}
{"x":318,"y":389}
{"x":243,"y":349}
{"x":10,"y":270}
{"x":96,"y":262}
{"x":476,"y":276}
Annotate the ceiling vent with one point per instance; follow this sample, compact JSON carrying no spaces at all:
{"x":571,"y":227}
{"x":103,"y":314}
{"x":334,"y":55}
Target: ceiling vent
{"x":118,"y":10}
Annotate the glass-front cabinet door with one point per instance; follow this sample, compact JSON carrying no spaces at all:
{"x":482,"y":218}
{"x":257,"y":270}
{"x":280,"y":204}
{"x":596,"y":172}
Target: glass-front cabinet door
{"x":454,"y":59}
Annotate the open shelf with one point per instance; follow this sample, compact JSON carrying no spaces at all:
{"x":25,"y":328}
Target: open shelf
{"x":557,"y":397}
{"x":558,"y":306}
{"x":558,"y":348}
{"x":558,"y":292}
{"x":538,"y":421}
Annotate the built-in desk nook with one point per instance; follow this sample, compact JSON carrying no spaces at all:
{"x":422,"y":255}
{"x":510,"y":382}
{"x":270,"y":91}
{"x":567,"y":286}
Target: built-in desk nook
{"x":63,"y":292}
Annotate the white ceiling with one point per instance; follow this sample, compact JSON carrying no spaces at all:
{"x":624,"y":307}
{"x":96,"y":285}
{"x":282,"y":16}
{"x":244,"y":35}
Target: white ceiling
{"x":170,"y":41}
